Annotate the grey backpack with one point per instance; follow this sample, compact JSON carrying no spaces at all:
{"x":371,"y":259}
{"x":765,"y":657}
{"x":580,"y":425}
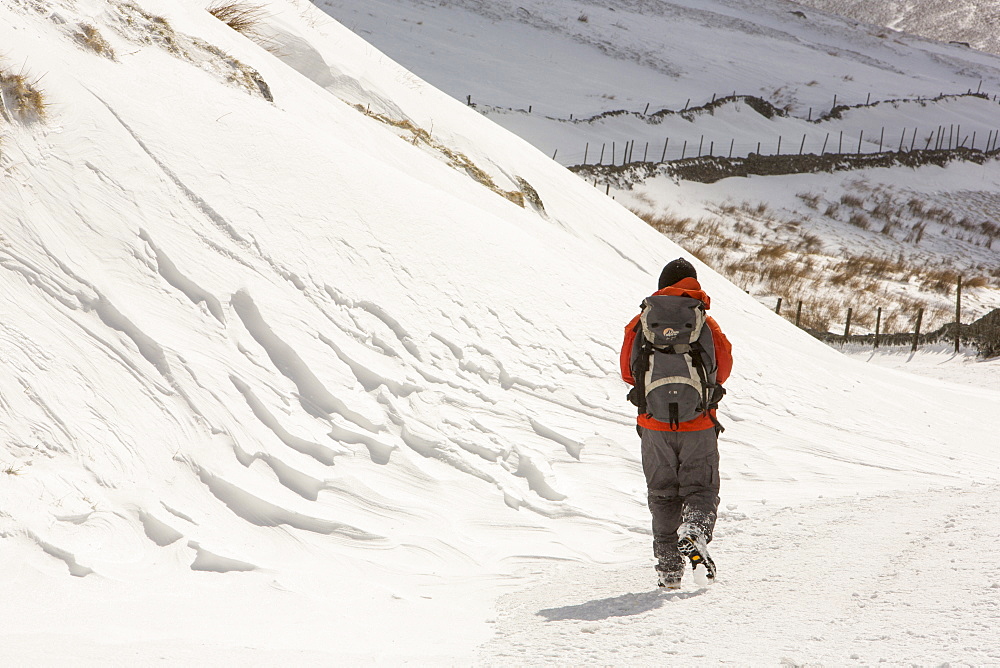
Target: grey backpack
{"x":673,"y":360}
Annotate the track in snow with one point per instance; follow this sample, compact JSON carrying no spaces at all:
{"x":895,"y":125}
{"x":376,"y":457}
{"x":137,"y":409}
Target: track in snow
{"x":910,"y":578}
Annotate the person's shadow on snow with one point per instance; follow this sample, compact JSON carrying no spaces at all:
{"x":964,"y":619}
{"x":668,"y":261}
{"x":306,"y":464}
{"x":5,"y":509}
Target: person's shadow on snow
{"x":625,"y":605}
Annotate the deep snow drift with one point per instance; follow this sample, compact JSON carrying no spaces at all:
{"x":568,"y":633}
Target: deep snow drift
{"x":306,"y":361}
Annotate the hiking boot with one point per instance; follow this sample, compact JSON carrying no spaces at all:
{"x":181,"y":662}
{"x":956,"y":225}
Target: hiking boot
{"x":691,"y":543}
{"x":668,"y":580}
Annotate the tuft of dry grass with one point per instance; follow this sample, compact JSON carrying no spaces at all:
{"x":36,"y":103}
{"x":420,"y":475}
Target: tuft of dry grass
{"x":91,"y":38}
{"x":858,"y":219}
{"x":21,"y":98}
{"x":773,"y":251}
{"x":884,"y":210}
{"x":852,"y":201}
{"x":243,"y":17}
{"x":666,"y":223}
{"x":811,"y":200}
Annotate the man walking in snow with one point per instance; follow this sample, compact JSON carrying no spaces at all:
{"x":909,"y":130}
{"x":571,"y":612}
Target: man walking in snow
{"x":677,"y":358}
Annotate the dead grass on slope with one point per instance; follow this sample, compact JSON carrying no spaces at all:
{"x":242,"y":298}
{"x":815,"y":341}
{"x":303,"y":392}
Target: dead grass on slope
{"x":459,"y":161}
{"x":90,"y":38}
{"x":743,"y":244}
{"x":243,"y":17}
{"x":21,"y":99}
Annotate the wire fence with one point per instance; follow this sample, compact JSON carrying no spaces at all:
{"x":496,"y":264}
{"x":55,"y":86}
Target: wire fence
{"x":982,"y":334}
{"x":906,"y":140}
{"x":671,"y":149}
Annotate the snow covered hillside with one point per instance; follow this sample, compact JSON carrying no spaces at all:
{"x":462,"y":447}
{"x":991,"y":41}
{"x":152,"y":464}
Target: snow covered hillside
{"x":636,"y":82}
{"x":305,"y":361}
{"x":971,"y":22}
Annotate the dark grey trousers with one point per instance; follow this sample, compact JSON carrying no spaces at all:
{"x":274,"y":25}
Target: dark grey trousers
{"x":682,"y":481}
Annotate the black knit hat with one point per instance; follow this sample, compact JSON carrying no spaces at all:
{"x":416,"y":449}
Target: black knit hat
{"x":676,"y":270}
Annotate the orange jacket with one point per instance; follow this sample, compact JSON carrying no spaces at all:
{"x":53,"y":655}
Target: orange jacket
{"x":687,"y":287}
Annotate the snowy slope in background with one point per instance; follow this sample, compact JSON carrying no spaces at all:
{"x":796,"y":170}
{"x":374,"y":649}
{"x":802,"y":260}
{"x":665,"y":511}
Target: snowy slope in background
{"x":581,"y":57}
{"x":295,"y":377}
{"x":969,"y":21}
{"x":582,"y":81}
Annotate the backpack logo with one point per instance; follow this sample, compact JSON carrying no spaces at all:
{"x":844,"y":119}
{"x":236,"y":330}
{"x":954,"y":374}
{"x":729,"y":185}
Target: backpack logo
{"x":670,"y":333}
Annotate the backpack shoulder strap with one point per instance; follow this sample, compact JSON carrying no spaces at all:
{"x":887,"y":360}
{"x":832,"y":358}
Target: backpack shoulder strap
{"x":641,"y":366}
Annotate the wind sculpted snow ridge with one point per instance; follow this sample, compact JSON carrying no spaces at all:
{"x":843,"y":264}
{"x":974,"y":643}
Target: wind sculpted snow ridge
{"x":273,"y":372}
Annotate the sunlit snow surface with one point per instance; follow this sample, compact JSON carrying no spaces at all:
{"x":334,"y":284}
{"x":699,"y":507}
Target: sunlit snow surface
{"x":285,"y":383}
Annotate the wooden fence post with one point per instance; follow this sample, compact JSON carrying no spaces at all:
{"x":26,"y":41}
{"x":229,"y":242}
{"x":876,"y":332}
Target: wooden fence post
{"x":958,"y":315}
{"x":802,"y":145}
{"x":823,"y":152}
{"x":601,"y":161}
{"x":916,"y":332}
{"x":663,"y":158}
{"x":684,"y":149}
{"x":731,"y":144}
{"x":779,"y":146}
{"x":847,"y":327}
{"x":777,"y":308}
{"x":798,"y":314}
{"x":878,"y":324}
{"x":586,"y":149}
{"x":645,"y":153}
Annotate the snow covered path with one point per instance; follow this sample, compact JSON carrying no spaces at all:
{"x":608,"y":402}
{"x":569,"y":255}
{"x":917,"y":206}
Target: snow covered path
{"x":907,"y":578}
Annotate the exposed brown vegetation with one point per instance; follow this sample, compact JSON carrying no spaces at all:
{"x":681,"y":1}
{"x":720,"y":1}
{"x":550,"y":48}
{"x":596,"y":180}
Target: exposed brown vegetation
{"x":858,"y":219}
{"x":417,"y":136}
{"x":793,"y":267}
{"x":811,"y":200}
{"x":20,"y":98}
{"x":91,"y":38}
{"x":244,"y":18}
